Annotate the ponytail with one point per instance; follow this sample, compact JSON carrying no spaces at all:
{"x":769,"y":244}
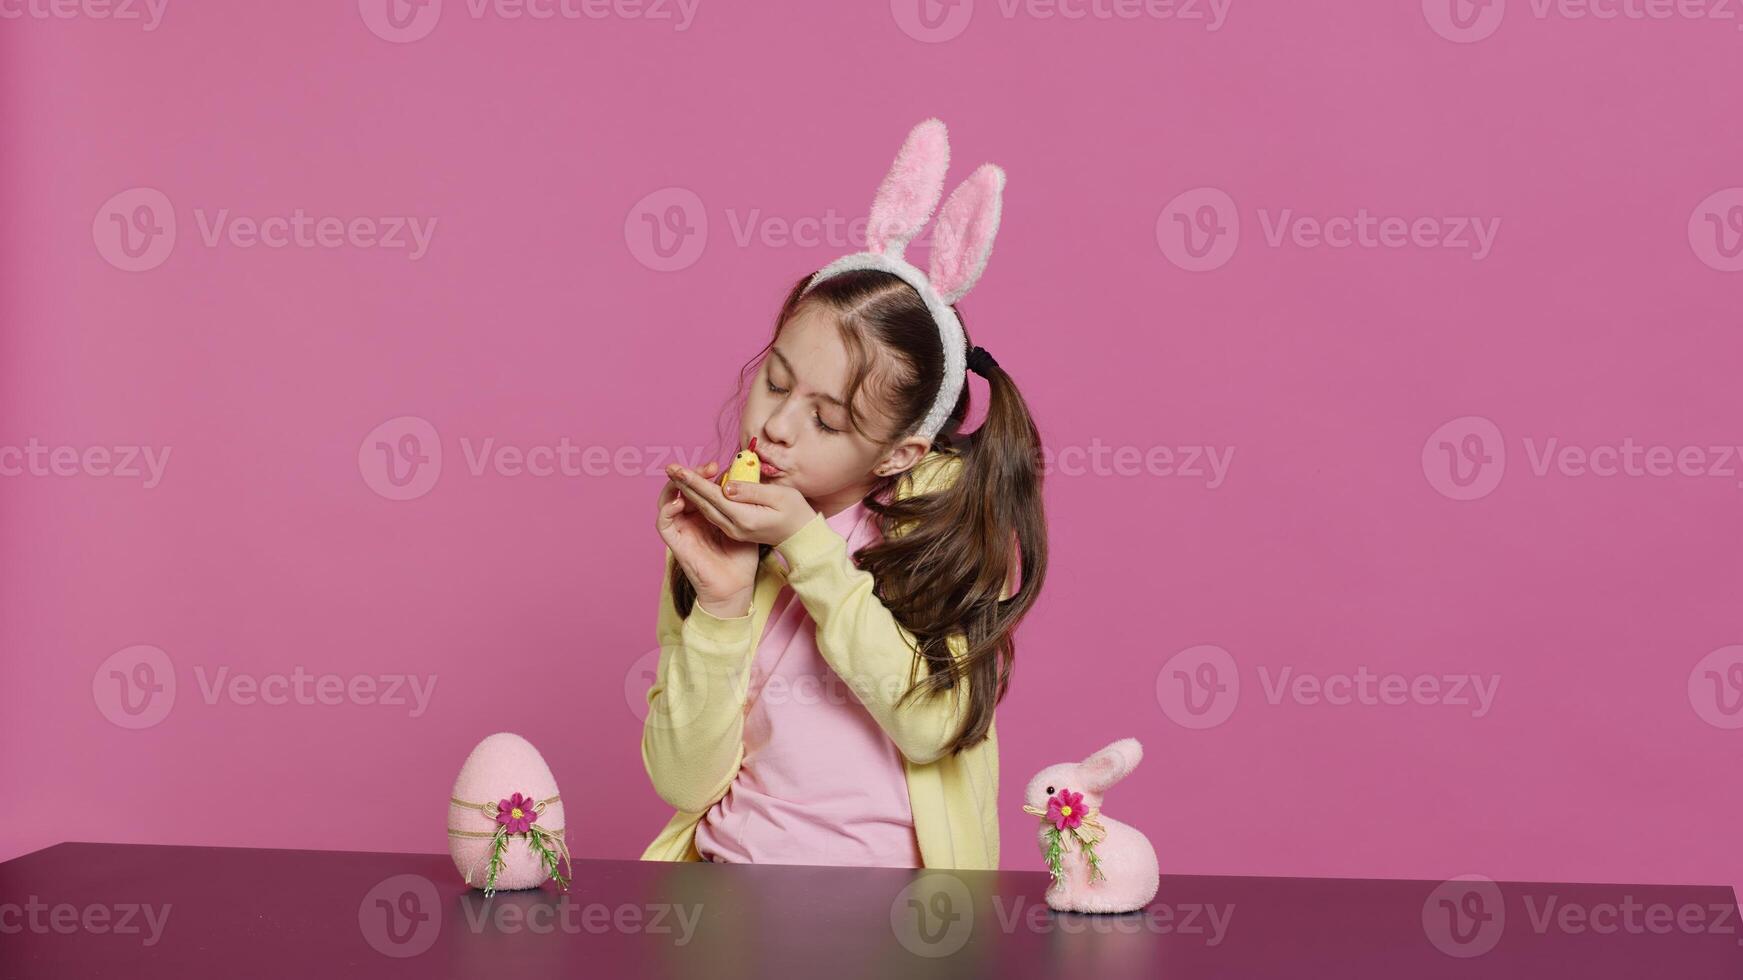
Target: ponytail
{"x":960,"y":549}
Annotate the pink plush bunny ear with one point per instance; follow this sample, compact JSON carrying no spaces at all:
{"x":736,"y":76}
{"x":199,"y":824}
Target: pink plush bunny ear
{"x":963,"y":238}
{"x":1112,"y":764}
{"x":910,"y":190}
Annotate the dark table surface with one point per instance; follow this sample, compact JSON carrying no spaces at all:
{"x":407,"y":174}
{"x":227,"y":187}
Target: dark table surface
{"x":142,"y":911}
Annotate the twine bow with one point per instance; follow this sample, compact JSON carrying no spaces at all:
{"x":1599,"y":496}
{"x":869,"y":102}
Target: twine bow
{"x":1089,"y":832}
{"x":548,"y":843}
{"x":1096,"y":831}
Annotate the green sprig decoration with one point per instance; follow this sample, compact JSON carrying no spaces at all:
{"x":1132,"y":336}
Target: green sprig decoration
{"x":1094,"y":862}
{"x":1055,"y":855}
{"x":540,"y":841}
{"x":498,"y":848}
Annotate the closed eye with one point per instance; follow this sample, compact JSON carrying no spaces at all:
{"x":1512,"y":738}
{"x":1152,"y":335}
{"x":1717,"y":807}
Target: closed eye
{"x":815,"y":418}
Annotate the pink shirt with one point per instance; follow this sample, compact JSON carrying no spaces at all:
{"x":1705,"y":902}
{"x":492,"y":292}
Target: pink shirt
{"x":820,"y":782}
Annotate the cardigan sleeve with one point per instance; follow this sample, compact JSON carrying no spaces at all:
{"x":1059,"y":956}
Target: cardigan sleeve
{"x":863,"y":643}
{"x":693,"y":736}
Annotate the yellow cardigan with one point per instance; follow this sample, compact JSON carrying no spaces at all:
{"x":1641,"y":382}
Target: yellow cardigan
{"x":693,"y":738}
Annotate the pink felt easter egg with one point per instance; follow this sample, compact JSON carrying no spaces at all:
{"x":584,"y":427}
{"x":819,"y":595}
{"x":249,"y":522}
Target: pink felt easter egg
{"x":501,"y":766}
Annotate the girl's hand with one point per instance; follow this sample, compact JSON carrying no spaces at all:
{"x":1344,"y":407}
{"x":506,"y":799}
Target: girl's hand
{"x":758,"y":513}
{"x":722,"y":569}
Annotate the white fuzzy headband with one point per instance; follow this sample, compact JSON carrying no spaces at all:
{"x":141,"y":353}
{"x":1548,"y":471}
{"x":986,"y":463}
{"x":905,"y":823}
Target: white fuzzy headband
{"x":962,"y":240}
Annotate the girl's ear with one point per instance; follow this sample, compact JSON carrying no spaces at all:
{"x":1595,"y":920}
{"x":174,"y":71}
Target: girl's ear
{"x":963,"y":238}
{"x":910,"y":190}
{"x":1111,"y":764}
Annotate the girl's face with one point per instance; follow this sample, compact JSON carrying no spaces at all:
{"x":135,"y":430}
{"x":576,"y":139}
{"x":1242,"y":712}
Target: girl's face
{"x":795,"y":411}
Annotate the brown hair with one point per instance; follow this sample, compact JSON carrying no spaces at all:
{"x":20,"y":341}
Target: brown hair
{"x":943,"y":573}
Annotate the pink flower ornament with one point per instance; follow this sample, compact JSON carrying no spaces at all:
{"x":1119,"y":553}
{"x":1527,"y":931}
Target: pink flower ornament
{"x":516,"y":813}
{"x":1065,"y":810}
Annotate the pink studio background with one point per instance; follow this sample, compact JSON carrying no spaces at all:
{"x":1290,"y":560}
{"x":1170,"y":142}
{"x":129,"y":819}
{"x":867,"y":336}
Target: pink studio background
{"x":539,"y":313}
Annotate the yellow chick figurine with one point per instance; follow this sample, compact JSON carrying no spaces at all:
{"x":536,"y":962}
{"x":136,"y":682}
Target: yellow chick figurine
{"x":746,"y":467}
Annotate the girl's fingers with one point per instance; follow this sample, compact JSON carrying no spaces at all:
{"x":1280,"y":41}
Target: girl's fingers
{"x":706,"y":495}
{"x":671,"y":507}
{"x":713,"y":513}
{"x":696,"y":501}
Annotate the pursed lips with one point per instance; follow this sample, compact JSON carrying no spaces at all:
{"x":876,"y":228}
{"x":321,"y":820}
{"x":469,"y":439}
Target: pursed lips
{"x":769,"y":468}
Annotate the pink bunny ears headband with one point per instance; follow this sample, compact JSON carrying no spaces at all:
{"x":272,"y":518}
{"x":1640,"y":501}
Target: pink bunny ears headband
{"x":962,"y":240}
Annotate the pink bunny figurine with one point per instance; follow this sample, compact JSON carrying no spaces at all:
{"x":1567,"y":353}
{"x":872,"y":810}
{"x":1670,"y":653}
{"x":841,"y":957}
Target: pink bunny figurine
{"x":1105,"y":865}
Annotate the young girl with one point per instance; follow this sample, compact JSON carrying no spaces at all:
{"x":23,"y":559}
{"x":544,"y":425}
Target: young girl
{"x":824,"y":692}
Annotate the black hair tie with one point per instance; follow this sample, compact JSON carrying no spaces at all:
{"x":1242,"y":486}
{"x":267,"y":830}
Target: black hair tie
{"x":979,"y":361}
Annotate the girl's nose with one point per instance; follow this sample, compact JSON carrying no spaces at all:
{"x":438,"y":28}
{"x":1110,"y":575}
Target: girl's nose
{"x":777,"y":428}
